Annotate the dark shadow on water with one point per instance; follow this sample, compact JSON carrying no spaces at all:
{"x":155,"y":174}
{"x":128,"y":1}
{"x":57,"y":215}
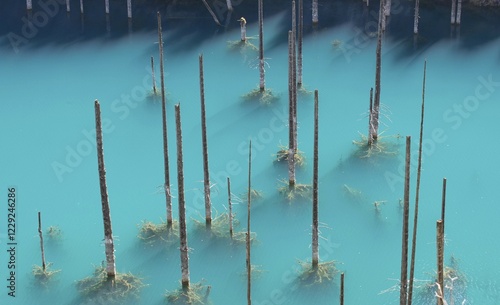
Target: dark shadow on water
{"x":190,"y":24}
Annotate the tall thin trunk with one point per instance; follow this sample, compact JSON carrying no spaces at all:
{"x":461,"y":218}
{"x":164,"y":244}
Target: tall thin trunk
{"x":387,"y":7}
{"x":371,"y":130}
{"x":459,"y":12}
{"x":168,"y":196}
{"x":41,"y":240}
{"x":294,"y":76}
{"x":342,"y":288}
{"x":106,"y":4}
{"x":262,"y":84}
{"x":229,"y":5}
{"x":315,"y":12}
{"x":378,"y":68}
{"x":291,"y":140}
{"x":211,"y":12}
{"x":453,"y":11}
{"x":249,"y":200}
{"x":206,"y":175}
{"x":416,"y":17}
{"x":182,"y":207}
{"x":129,"y":9}
{"x":403,"y":298}
{"x":440,"y":258}
{"x":230,"y":207}
{"x":443,"y":203}
{"x":68,"y":8}
{"x":81,"y":7}
{"x":417,"y":195}
{"x":106,"y":215}
{"x":153,"y":74}
{"x":300,"y":37}
{"x":315,"y":235}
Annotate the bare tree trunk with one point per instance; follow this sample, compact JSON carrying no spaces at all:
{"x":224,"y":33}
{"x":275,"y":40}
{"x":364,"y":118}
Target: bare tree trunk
{"x":168,"y":196}
{"x":376,"y":103}
{"x":443,"y":203}
{"x":315,"y":235}
{"x":294,"y":76}
{"x":153,"y":74}
{"x":453,"y":11}
{"x":129,"y":9}
{"x":211,"y":12}
{"x":291,"y":134}
{"x":342,"y":288}
{"x":440,"y":258}
{"x":417,"y":16}
{"x":206,"y":175}
{"x":68,"y":8}
{"x":108,"y":234}
{"x":387,"y":8}
{"x":29,"y":5}
{"x":81,"y":7}
{"x":249,"y":200}
{"x":229,"y":5}
{"x":230,"y":207}
{"x":301,"y":32}
{"x":243,"y":25}
{"x":459,"y":11}
{"x":41,"y":240}
{"x":417,"y":196}
{"x":371,"y":127}
{"x":315,"y":11}
{"x":182,"y":208}
{"x":403,"y":298}
{"x":262,"y":84}
{"x":106,"y":4}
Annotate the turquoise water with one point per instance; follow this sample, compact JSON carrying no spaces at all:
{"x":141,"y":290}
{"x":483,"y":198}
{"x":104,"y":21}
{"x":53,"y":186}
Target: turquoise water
{"x":48,"y":122}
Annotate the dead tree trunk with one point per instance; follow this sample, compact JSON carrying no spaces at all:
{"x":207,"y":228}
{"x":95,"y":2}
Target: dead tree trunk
{"x":371,"y":128}
{"x":443,"y":203}
{"x":182,"y":208}
{"x":453,"y":11}
{"x":342,"y":288}
{"x":440,"y":259}
{"x":291,"y":133}
{"x":206,"y":175}
{"x":243,"y":25}
{"x":29,"y":5}
{"x":315,"y":11}
{"x":249,"y":200}
{"x":41,"y":240}
{"x":416,"y":17}
{"x":153,"y":74}
{"x":229,"y":5}
{"x":211,"y":12}
{"x":376,"y":103}
{"x":459,"y":12}
{"x":262,"y":84}
{"x":299,"y":47}
{"x":404,"y":253}
{"x":106,"y":4}
{"x":106,"y":215}
{"x":230,"y":207}
{"x":417,"y":196}
{"x":168,"y":196}
{"x":315,"y":231}
{"x":129,"y":9}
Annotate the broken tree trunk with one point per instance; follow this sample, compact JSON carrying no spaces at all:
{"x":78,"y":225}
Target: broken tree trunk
{"x":249,"y":200}
{"x":206,"y":175}
{"x":291,"y":133}
{"x":230,"y":207}
{"x":168,"y":196}
{"x":106,"y":215}
{"x":243,"y":25}
{"x":443,"y":203}
{"x":342,"y":288}
{"x":440,"y":259}
{"x":262,"y":84}
{"x":406,"y":212}
{"x":315,"y":231}
{"x":182,"y":207}
{"x":417,"y":196}
{"x":41,"y":240}
{"x":376,"y":102}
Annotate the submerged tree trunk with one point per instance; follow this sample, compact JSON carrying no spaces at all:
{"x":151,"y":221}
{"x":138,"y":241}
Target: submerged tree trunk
{"x":371,"y":127}
{"x":440,"y":259}
{"x":211,"y":12}
{"x":106,"y":4}
{"x":129,"y":9}
{"x":300,"y":36}
{"x":230,"y":207}
{"x":315,"y":11}
{"x":168,"y":196}
{"x":416,"y":17}
{"x":249,"y":200}
{"x":41,"y":240}
{"x":376,"y":102}
{"x":443,"y":203}
{"x":243,"y":25}
{"x":315,"y":231}
{"x":229,"y":5}
{"x":29,"y":5}
{"x":291,"y":133}
{"x":417,"y":196}
{"x":403,"y":298}
{"x":453,"y":11}
{"x":81,"y":7}
{"x":206,"y":175}
{"x":153,"y":74}
{"x":342,"y":288}
{"x":106,"y":215}
{"x":262,"y":84}
{"x":182,"y":207}
{"x":459,"y":11}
